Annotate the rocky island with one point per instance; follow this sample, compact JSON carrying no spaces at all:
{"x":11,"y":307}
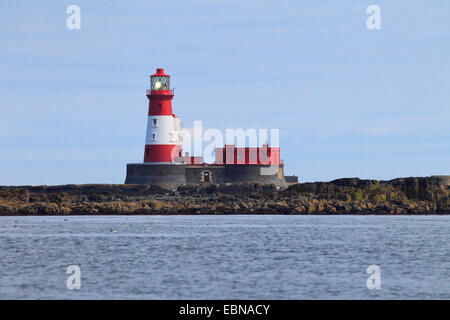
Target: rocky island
{"x":427,"y":195}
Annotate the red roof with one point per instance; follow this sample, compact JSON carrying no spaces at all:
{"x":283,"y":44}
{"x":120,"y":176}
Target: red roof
{"x":160,"y":73}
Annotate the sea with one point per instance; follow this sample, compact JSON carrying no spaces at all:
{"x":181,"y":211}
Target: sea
{"x":225,"y":257}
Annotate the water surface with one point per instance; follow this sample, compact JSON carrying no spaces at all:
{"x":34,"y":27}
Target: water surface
{"x":225,"y":257}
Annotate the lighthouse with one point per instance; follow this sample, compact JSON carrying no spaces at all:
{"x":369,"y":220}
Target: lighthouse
{"x":164,"y":135}
{"x":165,"y":165}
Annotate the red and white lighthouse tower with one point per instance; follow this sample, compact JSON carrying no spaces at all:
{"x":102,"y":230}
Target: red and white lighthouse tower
{"x":164,"y":133}
{"x":164,"y":165}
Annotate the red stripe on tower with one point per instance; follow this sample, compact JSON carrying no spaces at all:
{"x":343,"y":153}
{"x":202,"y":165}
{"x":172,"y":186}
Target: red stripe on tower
{"x":164,"y":135}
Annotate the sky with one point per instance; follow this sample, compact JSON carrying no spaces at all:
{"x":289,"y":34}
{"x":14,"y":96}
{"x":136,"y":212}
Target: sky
{"x":348,"y":101}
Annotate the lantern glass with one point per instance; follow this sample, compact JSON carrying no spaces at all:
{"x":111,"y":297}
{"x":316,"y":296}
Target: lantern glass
{"x":160,"y":83}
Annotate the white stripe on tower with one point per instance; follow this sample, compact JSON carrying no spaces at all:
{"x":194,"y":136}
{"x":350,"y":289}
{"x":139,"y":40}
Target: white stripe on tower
{"x":162,"y":130}
{"x":163,"y":140}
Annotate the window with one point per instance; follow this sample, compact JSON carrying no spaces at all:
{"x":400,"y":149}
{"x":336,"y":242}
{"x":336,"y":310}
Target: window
{"x":160,"y":83}
{"x":153,"y":136}
{"x":155,"y":122}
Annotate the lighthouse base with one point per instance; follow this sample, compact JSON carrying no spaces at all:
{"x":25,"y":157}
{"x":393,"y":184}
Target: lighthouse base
{"x":165,"y":175}
{"x":173,"y":175}
{"x":263,"y":174}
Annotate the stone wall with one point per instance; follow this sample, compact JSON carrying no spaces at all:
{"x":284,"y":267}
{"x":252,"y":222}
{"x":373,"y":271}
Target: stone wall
{"x":175,"y":175}
{"x":162,"y":175}
{"x":195,"y":173}
{"x":256,"y":173}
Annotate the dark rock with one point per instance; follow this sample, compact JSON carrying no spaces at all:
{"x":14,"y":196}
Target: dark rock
{"x":341,"y":196}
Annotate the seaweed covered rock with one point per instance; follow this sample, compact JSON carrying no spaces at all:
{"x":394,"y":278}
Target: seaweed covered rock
{"x":341,"y":196}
